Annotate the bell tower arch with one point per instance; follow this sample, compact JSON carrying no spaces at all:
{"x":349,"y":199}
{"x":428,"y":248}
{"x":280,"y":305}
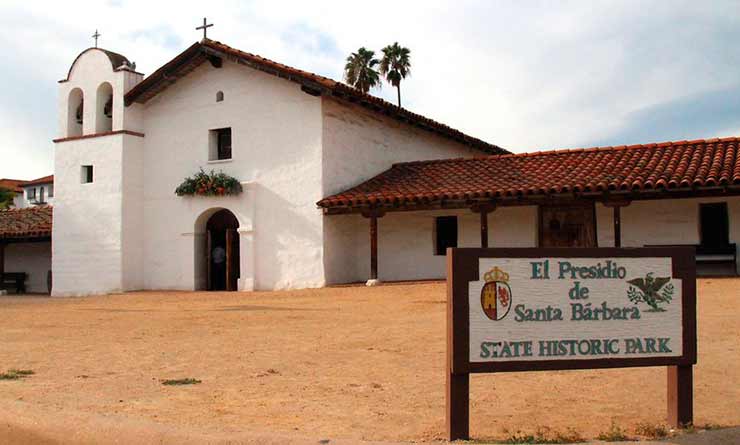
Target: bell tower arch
{"x":98,"y":160}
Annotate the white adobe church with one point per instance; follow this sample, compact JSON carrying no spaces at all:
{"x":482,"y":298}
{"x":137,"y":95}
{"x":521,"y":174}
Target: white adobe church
{"x":294,"y":139}
{"x":337,"y":186}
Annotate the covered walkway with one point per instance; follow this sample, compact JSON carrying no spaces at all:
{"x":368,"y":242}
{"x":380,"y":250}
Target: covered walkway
{"x":570,"y":190}
{"x":25,"y":250}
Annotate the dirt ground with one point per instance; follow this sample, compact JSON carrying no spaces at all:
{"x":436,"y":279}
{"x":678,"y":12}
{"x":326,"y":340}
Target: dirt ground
{"x":346,"y":363}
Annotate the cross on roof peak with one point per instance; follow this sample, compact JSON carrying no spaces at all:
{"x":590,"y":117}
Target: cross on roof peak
{"x":205,"y":27}
{"x":95,"y":36}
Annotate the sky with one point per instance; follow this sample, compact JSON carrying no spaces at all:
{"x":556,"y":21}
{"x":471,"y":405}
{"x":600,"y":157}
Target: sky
{"x":524,"y":75}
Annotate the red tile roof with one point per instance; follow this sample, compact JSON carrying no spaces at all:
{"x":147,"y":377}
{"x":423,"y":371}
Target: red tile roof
{"x":315,"y":84}
{"x":671,"y":166}
{"x":44,"y":180}
{"x":30,"y":222}
{"x":12,"y":184}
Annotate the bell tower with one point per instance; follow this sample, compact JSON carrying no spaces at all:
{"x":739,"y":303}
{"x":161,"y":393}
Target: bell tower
{"x":97,"y":167}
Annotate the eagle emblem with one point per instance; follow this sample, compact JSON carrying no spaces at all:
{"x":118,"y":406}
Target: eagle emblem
{"x":653,"y":291}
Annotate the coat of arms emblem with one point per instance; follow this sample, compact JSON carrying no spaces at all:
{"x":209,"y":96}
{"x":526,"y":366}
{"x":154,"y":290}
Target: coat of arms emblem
{"x":495,"y":297}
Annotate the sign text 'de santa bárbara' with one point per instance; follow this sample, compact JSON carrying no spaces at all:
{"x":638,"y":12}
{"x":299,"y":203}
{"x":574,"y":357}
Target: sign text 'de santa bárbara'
{"x":533,"y":309}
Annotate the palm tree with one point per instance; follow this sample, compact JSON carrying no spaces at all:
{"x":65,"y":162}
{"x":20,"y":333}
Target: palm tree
{"x":396,"y":65}
{"x":360,"y":70}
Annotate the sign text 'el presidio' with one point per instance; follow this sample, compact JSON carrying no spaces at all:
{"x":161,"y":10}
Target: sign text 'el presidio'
{"x":555,"y":308}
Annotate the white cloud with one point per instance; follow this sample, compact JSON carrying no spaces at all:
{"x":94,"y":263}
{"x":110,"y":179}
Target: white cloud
{"x":523,"y":75}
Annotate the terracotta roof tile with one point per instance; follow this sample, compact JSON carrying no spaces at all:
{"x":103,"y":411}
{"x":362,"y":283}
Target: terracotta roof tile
{"x":44,"y":180}
{"x":664,"y":166}
{"x":30,"y":222}
{"x":12,"y":184}
{"x":200,"y":52}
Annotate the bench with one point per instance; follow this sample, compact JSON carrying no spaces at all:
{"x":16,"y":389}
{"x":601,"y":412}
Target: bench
{"x":711,"y":255}
{"x":15,"y":280}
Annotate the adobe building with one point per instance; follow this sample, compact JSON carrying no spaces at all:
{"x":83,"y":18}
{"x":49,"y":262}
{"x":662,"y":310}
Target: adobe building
{"x":323,"y":184}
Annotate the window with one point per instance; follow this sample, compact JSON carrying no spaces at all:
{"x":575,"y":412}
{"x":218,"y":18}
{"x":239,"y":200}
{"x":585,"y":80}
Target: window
{"x":714,"y":225}
{"x":51,"y":191}
{"x":87,"y":174}
{"x":220,"y":96}
{"x":31,"y":194}
{"x":445,"y":231}
{"x":219,"y":144}
{"x":42,"y":196}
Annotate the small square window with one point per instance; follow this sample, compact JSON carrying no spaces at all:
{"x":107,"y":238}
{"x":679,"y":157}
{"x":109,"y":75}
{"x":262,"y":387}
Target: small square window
{"x":87,"y":174}
{"x":219,"y":144}
{"x":445,"y":234}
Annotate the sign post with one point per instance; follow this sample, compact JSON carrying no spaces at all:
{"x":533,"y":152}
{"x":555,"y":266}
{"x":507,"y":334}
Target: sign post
{"x":560,"y":308}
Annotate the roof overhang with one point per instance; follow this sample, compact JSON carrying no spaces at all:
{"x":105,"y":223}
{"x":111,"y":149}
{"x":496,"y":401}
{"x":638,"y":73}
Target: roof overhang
{"x":606,"y":198}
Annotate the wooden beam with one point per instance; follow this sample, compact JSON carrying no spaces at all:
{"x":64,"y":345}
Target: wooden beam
{"x":216,"y":62}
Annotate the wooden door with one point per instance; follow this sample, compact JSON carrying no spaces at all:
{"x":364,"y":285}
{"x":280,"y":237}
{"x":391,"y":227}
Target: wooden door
{"x":232,"y":260}
{"x":568,"y":226}
{"x":209,"y":260}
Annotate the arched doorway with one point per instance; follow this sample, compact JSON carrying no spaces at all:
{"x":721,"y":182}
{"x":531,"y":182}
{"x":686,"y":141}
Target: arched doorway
{"x":222,"y":251}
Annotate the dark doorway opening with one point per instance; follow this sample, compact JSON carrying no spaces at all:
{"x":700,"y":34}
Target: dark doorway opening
{"x":714,"y":225}
{"x":223,"y":251}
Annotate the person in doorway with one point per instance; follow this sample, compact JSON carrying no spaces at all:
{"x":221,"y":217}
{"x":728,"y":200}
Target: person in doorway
{"x":219,"y":268}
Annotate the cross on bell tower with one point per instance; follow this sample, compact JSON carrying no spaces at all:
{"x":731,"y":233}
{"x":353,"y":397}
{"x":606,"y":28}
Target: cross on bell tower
{"x":95,"y":36}
{"x":204,"y":27}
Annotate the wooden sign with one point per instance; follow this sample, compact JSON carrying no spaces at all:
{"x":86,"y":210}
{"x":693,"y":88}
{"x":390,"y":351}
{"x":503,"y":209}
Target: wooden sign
{"x":564,"y":308}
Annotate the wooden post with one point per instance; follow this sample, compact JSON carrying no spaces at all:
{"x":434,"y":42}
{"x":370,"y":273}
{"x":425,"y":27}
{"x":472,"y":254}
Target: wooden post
{"x":483,"y":210}
{"x":374,"y":246}
{"x":616,"y":206}
{"x":484,"y":229}
{"x":617,"y":227}
{"x":457,"y":406}
{"x":680,"y":396}
{"x":373,"y":215}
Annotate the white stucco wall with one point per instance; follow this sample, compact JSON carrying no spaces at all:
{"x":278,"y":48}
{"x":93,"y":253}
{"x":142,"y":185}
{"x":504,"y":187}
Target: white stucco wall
{"x":87,"y":248}
{"x":276,"y":153}
{"x":357,"y":145}
{"x":406,"y":241}
{"x":91,"y":69}
{"x":33,"y":259}
{"x":662,"y":222}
